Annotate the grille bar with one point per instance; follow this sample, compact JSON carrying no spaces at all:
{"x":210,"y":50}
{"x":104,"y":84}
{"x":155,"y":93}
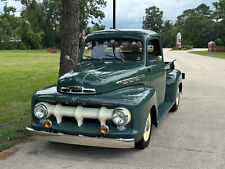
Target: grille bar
{"x":79,"y":113}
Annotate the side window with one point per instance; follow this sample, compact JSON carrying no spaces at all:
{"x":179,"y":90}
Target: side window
{"x":153,"y":49}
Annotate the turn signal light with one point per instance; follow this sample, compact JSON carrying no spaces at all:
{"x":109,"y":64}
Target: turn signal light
{"x":104,"y":129}
{"x":48,"y":124}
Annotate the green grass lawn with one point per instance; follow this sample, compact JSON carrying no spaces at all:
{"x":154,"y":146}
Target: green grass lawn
{"x":21,"y":74}
{"x":211,"y":54}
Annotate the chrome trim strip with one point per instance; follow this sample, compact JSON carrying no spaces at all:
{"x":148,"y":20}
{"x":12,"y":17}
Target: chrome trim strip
{"x":84,"y":140}
{"x":82,"y":89}
{"x":131,"y":79}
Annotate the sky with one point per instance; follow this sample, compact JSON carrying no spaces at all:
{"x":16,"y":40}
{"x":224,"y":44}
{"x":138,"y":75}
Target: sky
{"x":14,"y":3}
{"x":130,"y":13}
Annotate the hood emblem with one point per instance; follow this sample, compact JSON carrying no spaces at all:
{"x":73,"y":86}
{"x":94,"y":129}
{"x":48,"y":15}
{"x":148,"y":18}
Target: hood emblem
{"x":133,"y":79}
{"x":77,"y":90}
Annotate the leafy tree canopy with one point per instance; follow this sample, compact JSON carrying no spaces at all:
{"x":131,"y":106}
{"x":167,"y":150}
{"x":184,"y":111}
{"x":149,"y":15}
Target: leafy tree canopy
{"x":41,"y":19}
{"x":219,"y":13}
{"x":201,"y":10}
{"x":8,"y":23}
{"x":153,"y":19}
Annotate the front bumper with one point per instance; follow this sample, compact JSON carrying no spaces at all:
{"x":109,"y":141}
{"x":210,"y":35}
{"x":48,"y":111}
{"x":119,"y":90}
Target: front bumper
{"x":86,"y":141}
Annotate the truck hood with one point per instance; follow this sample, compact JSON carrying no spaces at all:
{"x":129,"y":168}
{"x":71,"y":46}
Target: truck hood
{"x":102,"y":76}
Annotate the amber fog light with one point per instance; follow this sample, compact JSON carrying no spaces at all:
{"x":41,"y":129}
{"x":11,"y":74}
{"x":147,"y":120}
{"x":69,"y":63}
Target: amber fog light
{"x":104,"y":129}
{"x":48,"y":124}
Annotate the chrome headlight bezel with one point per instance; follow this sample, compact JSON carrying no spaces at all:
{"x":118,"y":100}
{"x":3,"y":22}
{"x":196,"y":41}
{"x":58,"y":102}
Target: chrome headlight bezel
{"x":121,"y":116}
{"x":40,"y":111}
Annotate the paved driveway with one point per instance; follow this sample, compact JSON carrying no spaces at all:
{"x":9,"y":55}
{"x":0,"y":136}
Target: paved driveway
{"x":193,"y":137}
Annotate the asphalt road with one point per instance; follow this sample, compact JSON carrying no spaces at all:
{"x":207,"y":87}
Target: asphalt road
{"x":193,"y":137}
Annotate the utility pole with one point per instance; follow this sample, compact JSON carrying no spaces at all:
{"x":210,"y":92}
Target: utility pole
{"x":114,"y":14}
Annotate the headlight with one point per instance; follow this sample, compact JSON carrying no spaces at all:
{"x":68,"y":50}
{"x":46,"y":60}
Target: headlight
{"x":121,"y":116}
{"x":40,"y":111}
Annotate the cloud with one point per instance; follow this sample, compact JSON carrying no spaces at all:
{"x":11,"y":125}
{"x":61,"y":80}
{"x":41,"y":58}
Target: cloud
{"x":13,"y":3}
{"x":130,"y":12}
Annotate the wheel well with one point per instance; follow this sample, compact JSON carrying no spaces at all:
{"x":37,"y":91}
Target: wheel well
{"x":180,"y":87}
{"x":154,"y":115}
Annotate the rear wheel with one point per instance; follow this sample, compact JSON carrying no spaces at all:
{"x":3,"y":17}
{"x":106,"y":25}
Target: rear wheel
{"x":144,"y":142}
{"x":177,"y":102}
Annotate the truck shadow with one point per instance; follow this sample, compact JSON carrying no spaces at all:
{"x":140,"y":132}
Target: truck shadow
{"x":87,"y":152}
{"x":80,"y":153}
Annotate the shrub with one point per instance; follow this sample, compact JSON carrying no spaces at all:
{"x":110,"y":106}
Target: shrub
{"x":13,"y":45}
{"x":184,"y":49}
{"x":219,"y":42}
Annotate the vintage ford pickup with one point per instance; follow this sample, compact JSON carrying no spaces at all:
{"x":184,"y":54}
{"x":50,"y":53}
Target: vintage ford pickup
{"x":119,"y":89}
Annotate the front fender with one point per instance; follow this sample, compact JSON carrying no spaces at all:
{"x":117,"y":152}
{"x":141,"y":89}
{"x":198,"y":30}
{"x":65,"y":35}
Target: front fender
{"x":139,"y":99}
{"x":140,"y":112}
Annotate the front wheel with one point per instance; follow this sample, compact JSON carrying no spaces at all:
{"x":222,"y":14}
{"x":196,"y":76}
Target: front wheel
{"x":144,"y":142}
{"x":177,"y":102}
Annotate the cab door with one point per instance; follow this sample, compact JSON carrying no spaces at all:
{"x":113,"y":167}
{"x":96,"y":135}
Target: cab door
{"x":156,"y":76}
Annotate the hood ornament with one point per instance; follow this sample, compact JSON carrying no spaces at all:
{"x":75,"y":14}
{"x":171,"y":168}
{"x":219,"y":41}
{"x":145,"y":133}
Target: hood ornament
{"x":77,"y":90}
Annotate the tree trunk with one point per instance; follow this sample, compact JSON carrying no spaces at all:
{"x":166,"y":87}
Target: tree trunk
{"x":70,"y":34}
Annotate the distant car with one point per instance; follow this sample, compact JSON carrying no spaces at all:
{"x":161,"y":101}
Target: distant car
{"x":120,"y":88}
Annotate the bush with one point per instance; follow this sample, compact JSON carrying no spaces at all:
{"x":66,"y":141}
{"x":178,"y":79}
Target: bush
{"x":219,"y":42}
{"x":13,"y":46}
{"x":188,"y":47}
{"x":184,"y":49}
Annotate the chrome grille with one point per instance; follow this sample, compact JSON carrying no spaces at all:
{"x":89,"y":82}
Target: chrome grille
{"x":77,"y":90}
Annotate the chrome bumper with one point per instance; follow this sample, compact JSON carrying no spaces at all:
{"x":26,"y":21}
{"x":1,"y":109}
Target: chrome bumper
{"x":83,"y":140}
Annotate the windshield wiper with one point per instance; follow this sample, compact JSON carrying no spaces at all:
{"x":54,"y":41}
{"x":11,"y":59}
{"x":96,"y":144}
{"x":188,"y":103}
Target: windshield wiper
{"x":114,"y":57}
{"x":90,"y":57}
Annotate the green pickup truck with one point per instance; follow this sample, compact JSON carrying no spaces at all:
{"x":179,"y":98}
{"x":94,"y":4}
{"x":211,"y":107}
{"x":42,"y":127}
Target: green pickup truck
{"x":119,"y":89}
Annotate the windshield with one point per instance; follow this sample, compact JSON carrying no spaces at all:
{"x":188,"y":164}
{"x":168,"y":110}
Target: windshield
{"x":119,"y":49}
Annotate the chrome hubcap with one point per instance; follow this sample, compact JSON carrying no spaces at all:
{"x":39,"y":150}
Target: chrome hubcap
{"x":147,"y":128}
{"x":178,"y":97}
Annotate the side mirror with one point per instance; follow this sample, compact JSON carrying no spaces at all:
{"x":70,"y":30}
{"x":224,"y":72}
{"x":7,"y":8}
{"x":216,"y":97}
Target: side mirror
{"x":159,"y":58}
{"x":67,"y":57}
{"x":183,"y":76}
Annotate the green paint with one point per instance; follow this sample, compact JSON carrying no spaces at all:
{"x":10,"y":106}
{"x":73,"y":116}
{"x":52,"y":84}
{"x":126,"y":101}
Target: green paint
{"x":156,"y":87}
